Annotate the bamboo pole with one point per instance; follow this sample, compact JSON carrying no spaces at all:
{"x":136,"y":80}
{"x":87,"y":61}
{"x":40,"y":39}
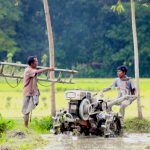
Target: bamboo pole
{"x":51,"y":52}
{"x":17,"y":75}
{"x":38,"y":67}
{"x":136,"y":58}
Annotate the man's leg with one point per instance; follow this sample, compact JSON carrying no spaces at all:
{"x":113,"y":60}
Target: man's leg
{"x":25,"y":110}
{"x":26,"y":120}
{"x":123,"y":105}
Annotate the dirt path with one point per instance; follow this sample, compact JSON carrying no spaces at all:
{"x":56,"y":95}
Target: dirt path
{"x":128,"y":142}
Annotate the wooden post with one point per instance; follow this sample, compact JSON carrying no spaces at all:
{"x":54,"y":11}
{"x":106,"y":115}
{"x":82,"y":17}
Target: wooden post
{"x":136,"y":58}
{"x":51,"y":52}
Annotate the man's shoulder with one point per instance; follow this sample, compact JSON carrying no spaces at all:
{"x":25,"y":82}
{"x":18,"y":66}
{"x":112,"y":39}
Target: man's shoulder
{"x":130,"y":78}
{"x":28,"y":69}
{"x":126,"y":79}
{"x":117,"y":79}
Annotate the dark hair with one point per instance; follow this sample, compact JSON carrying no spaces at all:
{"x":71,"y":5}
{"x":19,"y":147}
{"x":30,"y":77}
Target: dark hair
{"x":30,"y":60}
{"x":123,"y":69}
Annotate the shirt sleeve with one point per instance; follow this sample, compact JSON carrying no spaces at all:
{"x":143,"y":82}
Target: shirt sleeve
{"x":114,"y":84}
{"x":132,"y":84}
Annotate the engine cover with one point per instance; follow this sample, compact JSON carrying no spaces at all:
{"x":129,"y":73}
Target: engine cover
{"x":77,"y":95}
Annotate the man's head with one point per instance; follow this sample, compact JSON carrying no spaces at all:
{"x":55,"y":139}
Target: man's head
{"x":121,"y":71}
{"x":32,"y":61}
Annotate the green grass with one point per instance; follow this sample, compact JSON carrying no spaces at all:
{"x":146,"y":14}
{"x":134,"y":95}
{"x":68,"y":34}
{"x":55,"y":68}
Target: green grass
{"x":137,"y":125}
{"x":31,"y":140}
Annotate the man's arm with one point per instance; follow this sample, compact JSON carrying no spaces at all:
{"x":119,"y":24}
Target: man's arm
{"x":106,"y":89}
{"x":133,"y":89}
{"x":34,"y":72}
{"x":110,"y":87}
{"x":44,"y":70}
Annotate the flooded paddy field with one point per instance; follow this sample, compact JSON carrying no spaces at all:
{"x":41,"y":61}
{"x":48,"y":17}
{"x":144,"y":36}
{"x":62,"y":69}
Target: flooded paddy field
{"x":127,"y":142}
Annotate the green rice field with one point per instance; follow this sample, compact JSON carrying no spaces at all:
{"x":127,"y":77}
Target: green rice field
{"x":11,"y":98}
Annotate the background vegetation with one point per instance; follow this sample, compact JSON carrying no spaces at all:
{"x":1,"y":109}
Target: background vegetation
{"x":95,"y":38}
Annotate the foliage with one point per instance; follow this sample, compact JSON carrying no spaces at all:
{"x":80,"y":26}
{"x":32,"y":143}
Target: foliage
{"x":84,"y":71}
{"x":118,"y":7}
{"x":9,"y":15}
{"x":5,"y":124}
{"x":43,"y":124}
{"x":9,"y":57}
{"x":31,"y":31}
{"x":137,"y":125}
{"x":88,"y":35}
{"x":44,"y":60}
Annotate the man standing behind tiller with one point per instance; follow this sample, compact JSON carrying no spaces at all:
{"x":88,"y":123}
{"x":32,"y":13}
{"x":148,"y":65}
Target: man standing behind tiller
{"x":124,"y":85}
{"x":30,"y":90}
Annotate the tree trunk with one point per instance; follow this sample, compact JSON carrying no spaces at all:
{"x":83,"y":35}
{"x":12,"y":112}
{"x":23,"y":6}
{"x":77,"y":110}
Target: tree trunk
{"x":136,"y":58}
{"x":51,"y":52}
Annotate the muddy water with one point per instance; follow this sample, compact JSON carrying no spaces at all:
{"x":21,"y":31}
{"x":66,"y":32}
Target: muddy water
{"x":128,"y":142}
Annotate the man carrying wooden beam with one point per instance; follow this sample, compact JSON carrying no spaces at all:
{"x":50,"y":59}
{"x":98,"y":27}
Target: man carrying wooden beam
{"x":30,"y":90}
